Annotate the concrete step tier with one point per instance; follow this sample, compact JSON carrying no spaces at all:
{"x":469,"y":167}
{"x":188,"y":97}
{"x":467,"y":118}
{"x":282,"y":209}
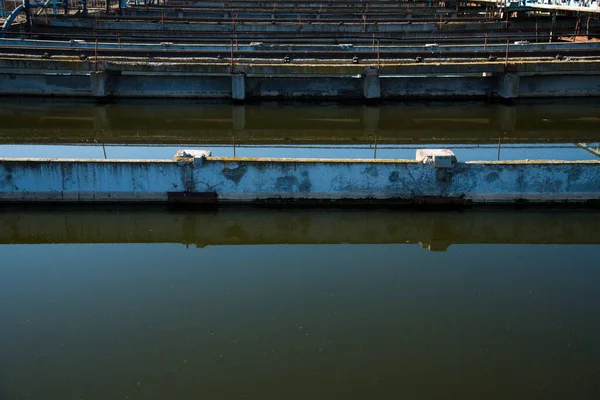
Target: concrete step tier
{"x":240,"y":80}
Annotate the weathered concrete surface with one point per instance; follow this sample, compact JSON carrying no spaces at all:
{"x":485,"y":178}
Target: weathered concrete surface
{"x":185,"y":28}
{"x":372,"y":85}
{"x":509,"y":86}
{"x":431,"y":50}
{"x":248,"y":226}
{"x":100,"y":83}
{"x":68,"y":76}
{"x":238,"y":86}
{"x":196,"y":178}
{"x":440,"y":158}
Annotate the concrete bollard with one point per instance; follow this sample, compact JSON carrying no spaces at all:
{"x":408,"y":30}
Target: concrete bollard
{"x":440,"y":158}
{"x":509,"y":86}
{"x":197,"y":156}
{"x":238,"y":87}
{"x":372,"y":87}
{"x":99,"y":83}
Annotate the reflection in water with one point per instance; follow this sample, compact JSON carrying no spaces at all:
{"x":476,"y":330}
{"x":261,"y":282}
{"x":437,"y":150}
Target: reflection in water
{"x":474,"y":131}
{"x":244,"y":226}
{"x":107,"y":302}
{"x":296,"y":322}
{"x":156,"y":321}
{"x":273,"y":123}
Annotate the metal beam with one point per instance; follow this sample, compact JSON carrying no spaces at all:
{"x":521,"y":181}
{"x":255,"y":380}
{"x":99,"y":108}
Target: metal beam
{"x":556,"y":5}
{"x":590,"y":149}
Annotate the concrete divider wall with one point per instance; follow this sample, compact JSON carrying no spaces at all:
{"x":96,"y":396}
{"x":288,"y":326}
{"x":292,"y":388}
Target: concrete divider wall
{"x":193,"y":177}
{"x":94,"y":180}
{"x":130,"y":77}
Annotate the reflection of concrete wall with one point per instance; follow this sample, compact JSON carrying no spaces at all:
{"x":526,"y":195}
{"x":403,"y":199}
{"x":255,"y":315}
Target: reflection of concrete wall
{"x":260,"y":226}
{"x":222,"y":123}
{"x":242,"y":180}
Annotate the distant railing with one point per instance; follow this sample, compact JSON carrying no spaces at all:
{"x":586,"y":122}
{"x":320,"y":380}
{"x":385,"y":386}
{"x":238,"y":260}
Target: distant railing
{"x":7,"y":6}
{"x":566,"y":3}
{"x":588,"y":5}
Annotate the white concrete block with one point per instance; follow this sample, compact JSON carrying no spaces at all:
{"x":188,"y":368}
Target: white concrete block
{"x":193,"y":154}
{"x":440,"y":158}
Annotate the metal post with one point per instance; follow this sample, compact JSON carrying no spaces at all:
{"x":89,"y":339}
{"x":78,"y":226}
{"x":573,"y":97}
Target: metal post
{"x":552,"y":26}
{"x":27,"y":9}
{"x":499,"y":139}
{"x":231,"y":58}
{"x":96,"y":56}
{"x":378,"y":56}
{"x":375,"y":150}
{"x":107,"y":6}
{"x":234,"y":143}
{"x":587,"y":27}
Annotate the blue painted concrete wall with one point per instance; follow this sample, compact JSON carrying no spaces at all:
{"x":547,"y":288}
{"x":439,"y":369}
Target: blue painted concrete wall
{"x":246,"y":180}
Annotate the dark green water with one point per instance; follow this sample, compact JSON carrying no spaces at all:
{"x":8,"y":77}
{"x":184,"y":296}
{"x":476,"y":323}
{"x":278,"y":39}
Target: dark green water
{"x":143,"y":129}
{"x":135,"y":303}
{"x":221,"y":305}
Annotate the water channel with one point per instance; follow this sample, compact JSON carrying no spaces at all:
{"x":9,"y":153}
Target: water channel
{"x":129,"y":302}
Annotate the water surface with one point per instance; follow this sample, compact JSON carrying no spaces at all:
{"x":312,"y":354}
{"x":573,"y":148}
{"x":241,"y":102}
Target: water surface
{"x":152,"y":303}
{"x":508,"y":310}
{"x":146,"y":129}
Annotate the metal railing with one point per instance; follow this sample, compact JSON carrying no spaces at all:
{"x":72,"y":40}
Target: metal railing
{"x":566,"y":5}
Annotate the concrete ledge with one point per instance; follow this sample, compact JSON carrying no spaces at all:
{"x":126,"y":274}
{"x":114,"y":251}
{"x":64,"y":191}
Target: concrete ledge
{"x":435,"y":178}
{"x":399,"y":79}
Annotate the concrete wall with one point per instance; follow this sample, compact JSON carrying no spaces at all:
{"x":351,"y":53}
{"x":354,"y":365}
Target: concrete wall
{"x":67,"y":76}
{"x":341,"y":30}
{"x":433,"y":178}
